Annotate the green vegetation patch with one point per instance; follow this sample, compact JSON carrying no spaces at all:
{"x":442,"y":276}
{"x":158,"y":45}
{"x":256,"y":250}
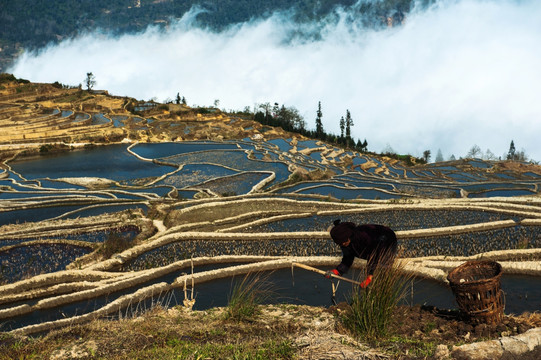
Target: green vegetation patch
{"x":157,"y":334}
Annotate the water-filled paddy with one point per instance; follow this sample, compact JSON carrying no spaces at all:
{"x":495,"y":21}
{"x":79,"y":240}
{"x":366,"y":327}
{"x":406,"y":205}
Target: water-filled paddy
{"x":346,"y":193}
{"x":395,"y":173}
{"x":186,"y":194}
{"x":194,"y":174}
{"x":497,"y":186}
{"x":111,"y":162}
{"x":307,"y":184}
{"x":349,"y":181}
{"x":532,"y":175}
{"x":469,"y":244}
{"x":225,"y":169}
{"x":462,"y":177}
{"x":508,"y":176}
{"x":101,"y":236}
{"x":453,"y":245}
{"x":100,"y":119}
{"x":359,"y":160}
{"x":26,"y":261}
{"x":480,"y":164}
{"x":43,"y":195}
{"x":118,"y":120}
{"x":235,"y":159}
{"x":16,"y":178}
{"x":396,"y":219}
{"x":445,"y":168}
{"x":308,"y":288}
{"x":427,"y":174}
{"x":308,"y":144}
{"x":138,"y":193}
{"x":36,"y":214}
{"x":81,"y":117}
{"x":91,"y":237}
{"x":237,"y":184}
{"x":190,"y":248}
{"x":155,"y":151}
{"x":502,"y":192}
{"x":428,"y":190}
{"x":95,"y":210}
{"x":411,"y":175}
{"x":59,"y":185}
{"x":303,"y":287}
{"x":281,"y":144}
{"x":286,"y":286}
{"x":316,"y":155}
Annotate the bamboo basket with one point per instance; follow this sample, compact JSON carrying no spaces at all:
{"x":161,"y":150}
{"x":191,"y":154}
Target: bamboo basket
{"x":476,"y":286}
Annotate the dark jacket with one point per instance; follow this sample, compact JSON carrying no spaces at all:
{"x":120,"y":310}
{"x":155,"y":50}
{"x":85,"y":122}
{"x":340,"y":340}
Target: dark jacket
{"x":370,"y":242}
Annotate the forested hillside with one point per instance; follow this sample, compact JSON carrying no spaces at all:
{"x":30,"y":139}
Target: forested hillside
{"x":31,"y":24}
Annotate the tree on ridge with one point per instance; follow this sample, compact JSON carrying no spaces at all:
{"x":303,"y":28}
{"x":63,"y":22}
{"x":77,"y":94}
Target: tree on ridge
{"x":439,"y":156}
{"x":349,"y":124}
{"x":511,"y":154}
{"x":319,"y":123}
{"x":90,"y":81}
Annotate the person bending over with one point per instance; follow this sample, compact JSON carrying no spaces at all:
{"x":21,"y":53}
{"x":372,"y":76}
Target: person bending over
{"x":375,"y":243}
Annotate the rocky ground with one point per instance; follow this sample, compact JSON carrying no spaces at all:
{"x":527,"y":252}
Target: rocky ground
{"x":435,"y":329}
{"x":278,"y":332}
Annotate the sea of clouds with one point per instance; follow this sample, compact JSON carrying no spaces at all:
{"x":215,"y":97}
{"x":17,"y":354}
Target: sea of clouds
{"x":456,"y":74}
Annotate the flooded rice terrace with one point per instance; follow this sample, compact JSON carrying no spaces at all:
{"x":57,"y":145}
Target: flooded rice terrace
{"x":88,"y":232}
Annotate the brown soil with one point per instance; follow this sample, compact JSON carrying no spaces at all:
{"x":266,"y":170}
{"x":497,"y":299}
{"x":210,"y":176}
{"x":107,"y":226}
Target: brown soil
{"x":313,"y":333}
{"x":412,"y":326}
{"x":428,"y":323}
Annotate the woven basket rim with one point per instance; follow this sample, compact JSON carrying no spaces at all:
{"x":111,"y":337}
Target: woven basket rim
{"x":468,"y":264}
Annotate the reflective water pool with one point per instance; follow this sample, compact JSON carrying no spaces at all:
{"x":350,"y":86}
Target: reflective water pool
{"x":111,"y":162}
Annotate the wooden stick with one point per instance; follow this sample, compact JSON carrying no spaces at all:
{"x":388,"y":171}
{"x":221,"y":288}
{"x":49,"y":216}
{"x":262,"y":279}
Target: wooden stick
{"x":324,"y":272}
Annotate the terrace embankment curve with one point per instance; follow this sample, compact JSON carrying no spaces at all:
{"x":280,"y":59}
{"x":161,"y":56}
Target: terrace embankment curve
{"x":181,"y":215}
{"x":94,"y":279}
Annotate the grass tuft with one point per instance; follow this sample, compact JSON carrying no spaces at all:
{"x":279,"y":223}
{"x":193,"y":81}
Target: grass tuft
{"x":371,"y":309}
{"x":247,"y":295}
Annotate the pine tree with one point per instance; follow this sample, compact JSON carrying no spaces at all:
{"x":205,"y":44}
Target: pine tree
{"x":349,"y":124}
{"x":342,"y":127}
{"x":319,"y":124}
{"x":275,"y":110}
{"x":177,"y":100}
{"x":439,"y":156}
{"x":511,"y":153}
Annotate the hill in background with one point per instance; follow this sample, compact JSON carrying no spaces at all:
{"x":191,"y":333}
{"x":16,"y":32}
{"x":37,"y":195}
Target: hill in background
{"x":31,"y":25}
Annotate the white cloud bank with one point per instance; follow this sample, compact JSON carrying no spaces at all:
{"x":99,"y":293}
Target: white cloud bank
{"x":460,"y":73}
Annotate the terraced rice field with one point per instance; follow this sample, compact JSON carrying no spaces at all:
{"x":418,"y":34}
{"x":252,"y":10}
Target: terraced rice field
{"x":91,"y":230}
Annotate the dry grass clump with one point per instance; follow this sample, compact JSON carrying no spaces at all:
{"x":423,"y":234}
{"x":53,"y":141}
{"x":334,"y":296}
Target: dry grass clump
{"x":533,"y":319}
